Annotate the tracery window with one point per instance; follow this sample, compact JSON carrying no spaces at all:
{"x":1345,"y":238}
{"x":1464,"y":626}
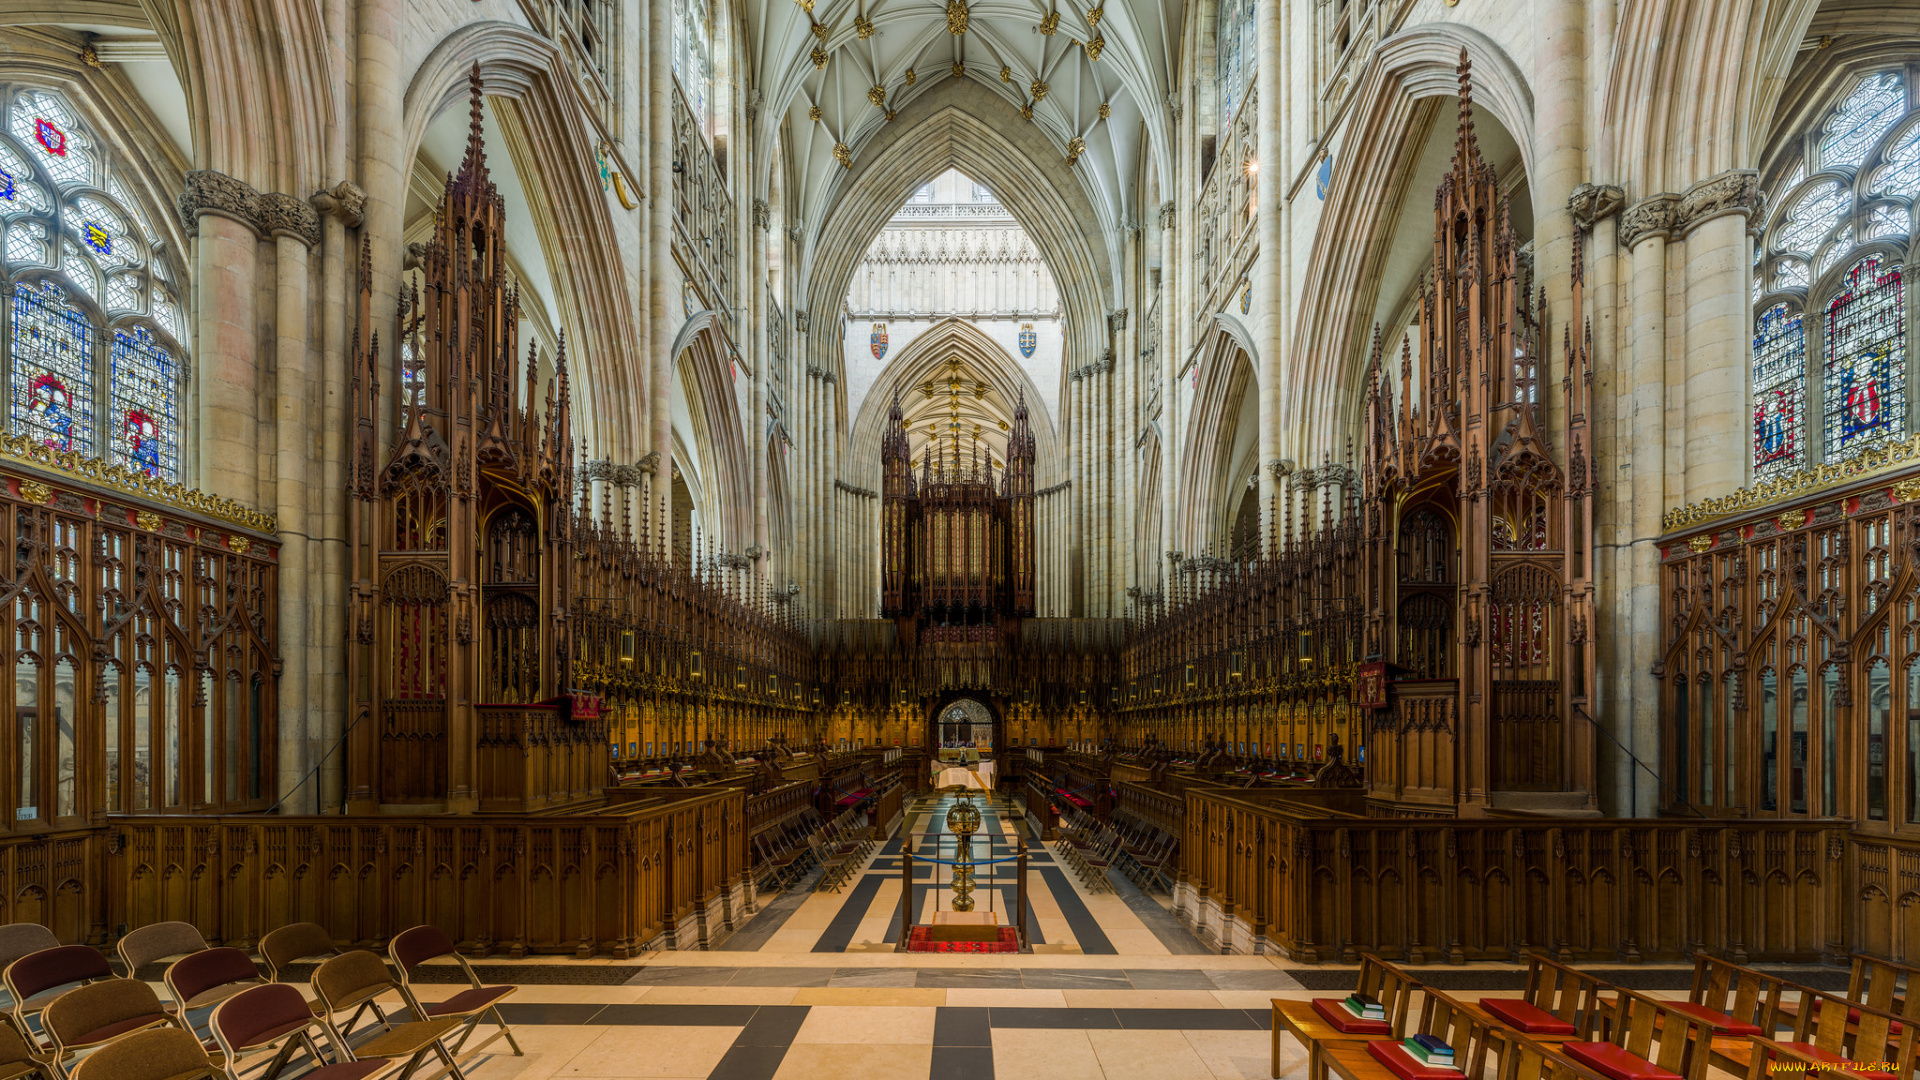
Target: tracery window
{"x":94,"y":330}
{"x":1834,"y":249}
{"x":693,"y":58}
{"x":1233,"y":55}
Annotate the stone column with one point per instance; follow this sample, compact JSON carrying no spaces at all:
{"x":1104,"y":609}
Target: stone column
{"x":343,"y":207}
{"x":222,"y":214}
{"x":295,"y":228}
{"x":758,"y":330}
{"x":1559,"y":150}
{"x":1171,"y":318}
{"x":1269,"y":326}
{"x":379,"y":88}
{"x":1718,"y":265}
{"x":1643,"y":234}
{"x":663,"y":276}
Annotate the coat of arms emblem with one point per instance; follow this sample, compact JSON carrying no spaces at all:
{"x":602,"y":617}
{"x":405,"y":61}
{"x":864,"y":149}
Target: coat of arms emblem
{"x":1028,"y":340}
{"x":879,"y":341}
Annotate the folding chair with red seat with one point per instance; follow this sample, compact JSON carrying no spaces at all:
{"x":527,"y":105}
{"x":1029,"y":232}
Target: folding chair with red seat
{"x":412,"y":948}
{"x":161,"y":1054}
{"x":98,"y":1013}
{"x":38,"y":978}
{"x":258,"y":1018}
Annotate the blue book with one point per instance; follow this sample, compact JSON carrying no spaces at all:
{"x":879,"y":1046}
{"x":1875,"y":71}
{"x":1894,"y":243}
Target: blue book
{"x":1431,"y":1044}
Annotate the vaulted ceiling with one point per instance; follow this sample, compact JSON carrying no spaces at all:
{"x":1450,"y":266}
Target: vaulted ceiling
{"x":1088,"y":73}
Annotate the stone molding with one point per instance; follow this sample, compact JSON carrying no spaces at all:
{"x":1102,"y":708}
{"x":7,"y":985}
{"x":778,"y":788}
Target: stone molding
{"x":1654,"y":215}
{"x":344,"y":200}
{"x":1736,"y":191}
{"x":1591,"y":203}
{"x":273,"y":214}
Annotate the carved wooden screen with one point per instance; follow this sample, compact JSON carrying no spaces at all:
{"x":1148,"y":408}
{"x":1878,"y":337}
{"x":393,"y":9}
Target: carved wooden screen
{"x":1792,"y":662}
{"x":139,"y":662}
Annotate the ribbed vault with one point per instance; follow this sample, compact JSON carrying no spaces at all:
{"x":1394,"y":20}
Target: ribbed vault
{"x":926,"y":360}
{"x":983,"y":137}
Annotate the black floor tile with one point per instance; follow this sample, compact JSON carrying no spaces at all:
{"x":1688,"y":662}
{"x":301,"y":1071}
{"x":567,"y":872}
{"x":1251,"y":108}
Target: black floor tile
{"x":884,"y":977}
{"x":676,"y":1015}
{"x":773,"y":1025}
{"x":961,"y":1063}
{"x":532,"y":1012}
{"x":846,"y":921}
{"x":960,"y":1026}
{"x":1262,"y":1018}
{"x":1184,"y":1019}
{"x":749,"y":1063}
{"x":1100,"y":1019}
{"x":1086,"y":929}
{"x":1261,"y":980}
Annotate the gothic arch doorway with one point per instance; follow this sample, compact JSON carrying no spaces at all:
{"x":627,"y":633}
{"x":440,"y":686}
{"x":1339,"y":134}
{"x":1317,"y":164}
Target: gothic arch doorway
{"x":958,"y":719}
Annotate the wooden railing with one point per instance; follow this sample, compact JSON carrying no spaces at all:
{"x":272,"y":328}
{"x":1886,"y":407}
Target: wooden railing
{"x":1157,"y":808}
{"x":608,"y":883}
{"x":1327,"y":889}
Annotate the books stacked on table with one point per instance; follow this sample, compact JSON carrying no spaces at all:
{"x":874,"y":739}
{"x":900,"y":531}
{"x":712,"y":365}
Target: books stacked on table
{"x":1429,"y":1051}
{"x":1364,"y":1007}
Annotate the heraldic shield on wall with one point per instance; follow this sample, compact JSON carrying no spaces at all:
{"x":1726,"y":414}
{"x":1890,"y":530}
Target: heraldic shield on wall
{"x":879,"y":341}
{"x":1028,"y":340}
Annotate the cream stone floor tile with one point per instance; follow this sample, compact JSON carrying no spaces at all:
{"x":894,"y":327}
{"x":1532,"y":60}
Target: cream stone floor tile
{"x":720,"y":995}
{"x":828,"y":1061}
{"x":653,"y":1052}
{"x":1259,"y":999}
{"x":873,"y":996}
{"x":1141,"y":999}
{"x":1244,"y":1055}
{"x":570,"y":995}
{"x":548,"y":1048}
{"x":907,"y":1025}
{"x":1147,"y":1055}
{"x":816,"y":914}
{"x":1134,"y":942}
{"x":1007,"y":999}
{"x":1044,"y":1054}
{"x":789,"y":939}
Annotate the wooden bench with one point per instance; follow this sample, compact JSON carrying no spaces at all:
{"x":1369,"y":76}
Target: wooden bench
{"x":1442,"y":1017}
{"x":1392,"y":987}
{"x":1880,"y":983}
{"x":1557,"y":1004}
{"x":1644,"y":1037}
{"x":1826,"y":1031}
{"x":1525,"y":1058}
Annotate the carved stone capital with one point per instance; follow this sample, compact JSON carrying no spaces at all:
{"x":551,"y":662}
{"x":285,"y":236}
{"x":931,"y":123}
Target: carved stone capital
{"x":761,"y":215}
{"x":597,"y":469}
{"x":650,"y":464}
{"x":210,"y":192}
{"x":1590,"y":203}
{"x":344,"y":200}
{"x":1118,"y":320}
{"x":801,"y":322}
{"x":1281,"y":468}
{"x":1736,"y":191}
{"x":284,"y":215}
{"x":794,"y":233}
{"x":625,"y":476}
{"x":1168,"y":215}
{"x":1655,"y":214}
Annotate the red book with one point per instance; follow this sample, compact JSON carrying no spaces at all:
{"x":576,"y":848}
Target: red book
{"x":1346,"y":1023}
{"x":1406,"y":1066}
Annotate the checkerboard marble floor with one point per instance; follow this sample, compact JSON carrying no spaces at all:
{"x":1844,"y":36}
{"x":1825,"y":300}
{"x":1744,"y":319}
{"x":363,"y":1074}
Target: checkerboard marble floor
{"x":812,"y":989}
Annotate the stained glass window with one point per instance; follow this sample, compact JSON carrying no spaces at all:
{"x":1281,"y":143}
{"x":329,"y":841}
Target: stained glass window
{"x":1813,"y":216}
{"x":145,"y":418}
{"x":1861,"y":120}
{"x":1855,"y":188}
{"x":1901,"y":173}
{"x":1233,"y":54}
{"x":1779,"y":391}
{"x":693,"y":57}
{"x":52,"y":368}
{"x":47,"y":128}
{"x":1865,"y":376}
{"x":77,"y":327}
